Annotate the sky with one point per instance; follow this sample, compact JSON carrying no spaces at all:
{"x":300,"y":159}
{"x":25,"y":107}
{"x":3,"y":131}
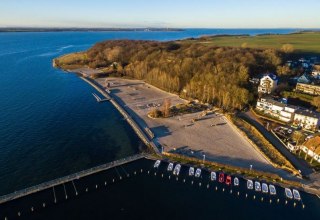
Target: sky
{"x":161,"y":13}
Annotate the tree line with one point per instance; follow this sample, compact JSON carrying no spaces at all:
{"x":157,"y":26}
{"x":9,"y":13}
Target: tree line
{"x":211,"y":74}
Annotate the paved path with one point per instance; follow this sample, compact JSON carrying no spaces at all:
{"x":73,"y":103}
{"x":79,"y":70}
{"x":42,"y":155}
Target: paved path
{"x":299,"y":164}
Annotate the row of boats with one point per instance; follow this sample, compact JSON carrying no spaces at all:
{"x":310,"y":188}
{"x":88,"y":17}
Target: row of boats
{"x":227,"y":179}
{"x":294,"y":194}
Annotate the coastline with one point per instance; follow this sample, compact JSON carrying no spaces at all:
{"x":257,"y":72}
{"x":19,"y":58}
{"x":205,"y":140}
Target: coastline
{"x":173,"y":156}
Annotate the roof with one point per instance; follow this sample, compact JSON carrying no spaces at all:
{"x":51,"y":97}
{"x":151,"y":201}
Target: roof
{"x":308,"y":113}
{"x":274,"y":102}
{"x":313,"y":143}
{"x":305,"y":78}
{"x":271,"y":75}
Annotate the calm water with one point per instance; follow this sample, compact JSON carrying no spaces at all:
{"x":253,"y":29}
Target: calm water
{"x":157,"y":195}
{"x":50,"y":125}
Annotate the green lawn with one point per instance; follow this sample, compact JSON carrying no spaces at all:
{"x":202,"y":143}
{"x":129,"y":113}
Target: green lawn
{"x":308,"y":42}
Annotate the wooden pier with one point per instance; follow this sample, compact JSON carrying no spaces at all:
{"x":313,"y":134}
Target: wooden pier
{"x":69,"y":178}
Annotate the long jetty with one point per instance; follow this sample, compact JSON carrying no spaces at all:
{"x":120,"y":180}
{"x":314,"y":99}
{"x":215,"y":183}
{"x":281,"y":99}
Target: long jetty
{"x":143,"y":135}
{"x":69,"y":178}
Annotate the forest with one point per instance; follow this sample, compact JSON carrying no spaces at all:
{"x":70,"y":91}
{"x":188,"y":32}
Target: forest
{"x":194,"y":70}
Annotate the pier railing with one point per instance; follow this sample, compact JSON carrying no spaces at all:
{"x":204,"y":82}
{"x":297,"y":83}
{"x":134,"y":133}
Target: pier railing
{"x":65,"y":179}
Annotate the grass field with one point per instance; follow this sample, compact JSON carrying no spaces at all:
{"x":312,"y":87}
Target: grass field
{"x":307,"y":42}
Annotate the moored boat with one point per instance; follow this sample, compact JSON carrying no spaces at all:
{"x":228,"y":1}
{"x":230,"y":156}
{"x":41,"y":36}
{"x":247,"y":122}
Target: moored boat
{"x":157,"y":164}
{"x":288,"y":193}
{"x":272,"y":189}
{"x":296,"y":195}
{"x":264,"y":188}
{"x":221,"y":177}
{"x":191,"y":171}
{"x":236,"y":181}
{"x":257,"y":186}
{"x":213,"y":176}
{"x":170,"y":167}
{"x":198,"y":172}
{"x":249,"y":184}
{"x":228,"y":180}
{"x":176,"y":170}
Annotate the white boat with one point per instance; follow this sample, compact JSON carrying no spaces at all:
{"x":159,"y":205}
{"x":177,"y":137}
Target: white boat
{"x":288,"y":193}
{"x":257,"y":186}
{"x":236,"y":181}
{"x":170,"y":167}
{"x":296,"y":195}
{"x":176,"y":170}
{"x":264,"y":188}
{"x":272,"y":189}
{"x":213,"y":176}
{"x":157,"y":164}
{"x":198,"y":172}
{"x":191,"y":171}
{"x":249,"y":184}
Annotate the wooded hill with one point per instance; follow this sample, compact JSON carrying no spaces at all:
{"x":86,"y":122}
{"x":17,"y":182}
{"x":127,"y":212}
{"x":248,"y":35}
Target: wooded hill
{"x":211,"y":74}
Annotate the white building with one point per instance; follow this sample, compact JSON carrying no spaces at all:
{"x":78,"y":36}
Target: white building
{"x":277,"y":109}
{"x":312,"y":148}
{"x":268,"y":83}
{"x":307,"y":119}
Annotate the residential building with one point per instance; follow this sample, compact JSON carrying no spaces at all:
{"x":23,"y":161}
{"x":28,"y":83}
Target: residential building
{"x":305,"y":78}
{"x":316,"y":74}
{"x":307,"y":119}
{"x":308,"y":88}
{"x":277,"y":109}
{"x":268,"y":83}
{"x":312,"y":148}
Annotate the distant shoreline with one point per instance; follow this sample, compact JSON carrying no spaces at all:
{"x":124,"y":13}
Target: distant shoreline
{"x":20,"y":29}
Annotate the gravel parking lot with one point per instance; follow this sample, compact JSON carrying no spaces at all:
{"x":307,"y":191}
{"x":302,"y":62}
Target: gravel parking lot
{"x":211,"y":136}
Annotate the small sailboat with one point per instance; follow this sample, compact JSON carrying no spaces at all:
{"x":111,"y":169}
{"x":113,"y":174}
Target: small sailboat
{"x":176,"y":170}
{"x":296,"y":195}
{"x":249,"y":184}
{"x":288,"y":193}
{"x":228,"y":180}
{"x":264,"y":188}
{"x":198,"y":172}
{"x":272,"y":189}
{"x":236,"y":181}
{"x":257,"y":186}
{"x":170,"y":167}
{"x":213,"y":176}
{"x":191,"y":171}
{"x":221,"y":177}
{"x":157,"y":164}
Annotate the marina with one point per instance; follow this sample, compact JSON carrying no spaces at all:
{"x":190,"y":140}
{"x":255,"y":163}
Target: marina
{"x":48,"y":199}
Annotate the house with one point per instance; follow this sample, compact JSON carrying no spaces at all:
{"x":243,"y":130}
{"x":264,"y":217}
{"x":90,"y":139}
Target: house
{"x":277,"y":109}
{"x":307,"y":119}
{"x":312,"y":89}
{"x":268,"y":83}
{"x":305,"y":78}
{"x":316,"y":74}
{"x":312,"y":148}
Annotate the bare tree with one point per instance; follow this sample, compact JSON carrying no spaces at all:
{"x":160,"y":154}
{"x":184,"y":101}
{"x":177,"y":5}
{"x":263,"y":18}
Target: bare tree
{"x":166,"y":108}
{"x":314,"y":150}
{"x":298,"y":137}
